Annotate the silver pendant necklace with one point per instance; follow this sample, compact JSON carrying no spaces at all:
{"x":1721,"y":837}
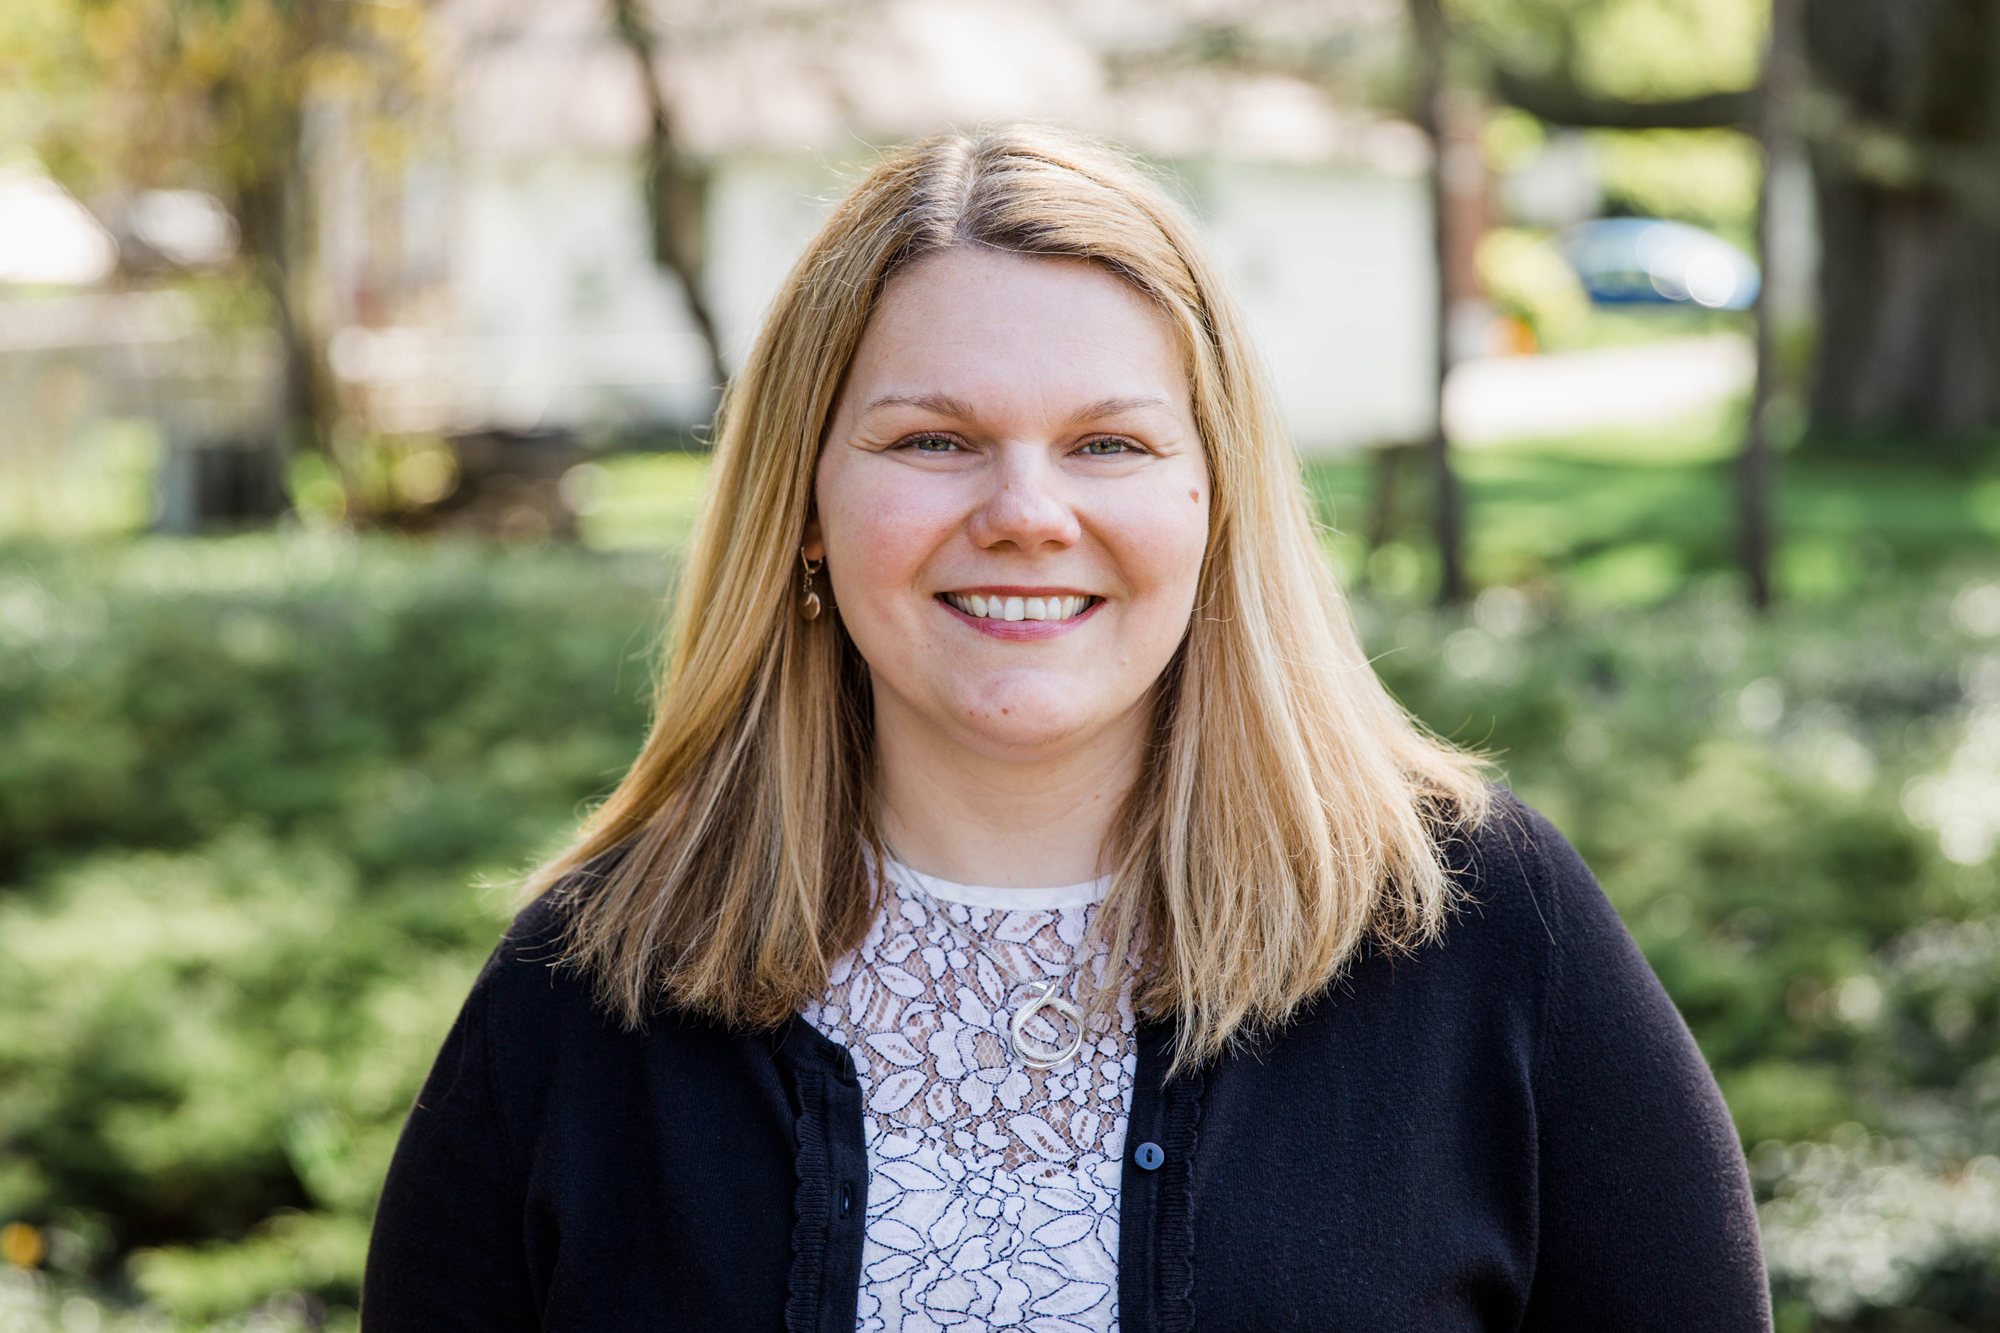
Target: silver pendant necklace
{"x":1042,"y":994}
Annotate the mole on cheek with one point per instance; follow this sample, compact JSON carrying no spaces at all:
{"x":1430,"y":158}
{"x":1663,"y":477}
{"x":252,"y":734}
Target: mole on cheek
{"x":1195,"y":496}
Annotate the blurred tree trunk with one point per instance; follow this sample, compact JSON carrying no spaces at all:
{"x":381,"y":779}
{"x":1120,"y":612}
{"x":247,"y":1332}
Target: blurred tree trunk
{"x":250,"y":75}
{"x":1908,"y":302}
{"x":1755,"y":462}
{"x":1905,"y":137}
{"x":272,"y":213}
{"x":676,"y":190}
{"x":1433,"y":113}
{"x":273,"y":194}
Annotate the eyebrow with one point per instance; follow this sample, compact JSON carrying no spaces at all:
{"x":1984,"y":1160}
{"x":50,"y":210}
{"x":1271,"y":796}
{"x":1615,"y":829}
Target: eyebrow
{"x":941,"y":403}
{"x":1111,"y":407}
{"x":959,"y":410}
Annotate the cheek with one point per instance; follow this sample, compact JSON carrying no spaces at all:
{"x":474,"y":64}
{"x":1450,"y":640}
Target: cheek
{"x":878,"y":536}
{"x":1161,"y":543}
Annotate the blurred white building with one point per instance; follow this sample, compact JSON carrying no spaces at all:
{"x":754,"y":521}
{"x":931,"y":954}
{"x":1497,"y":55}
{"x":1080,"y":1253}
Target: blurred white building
{"x":530,"y":301}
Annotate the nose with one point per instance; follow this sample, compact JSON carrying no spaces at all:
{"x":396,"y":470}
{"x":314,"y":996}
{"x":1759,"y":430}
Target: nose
{"x":1026,"y":507}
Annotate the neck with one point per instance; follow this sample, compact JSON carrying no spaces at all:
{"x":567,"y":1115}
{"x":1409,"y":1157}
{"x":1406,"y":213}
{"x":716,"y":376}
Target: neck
{"x":977,"y":818}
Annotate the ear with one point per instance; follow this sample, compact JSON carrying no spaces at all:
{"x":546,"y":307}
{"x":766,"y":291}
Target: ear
{"x":814,"y":545}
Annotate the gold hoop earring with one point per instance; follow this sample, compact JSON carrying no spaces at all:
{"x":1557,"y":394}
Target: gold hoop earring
{"x":808,"y":599}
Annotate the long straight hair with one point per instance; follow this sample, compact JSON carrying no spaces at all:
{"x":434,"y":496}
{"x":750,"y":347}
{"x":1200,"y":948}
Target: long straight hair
{"x":1288,"y":812}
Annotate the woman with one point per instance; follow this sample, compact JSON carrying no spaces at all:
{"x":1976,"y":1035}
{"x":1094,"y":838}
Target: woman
{"x":1029,"y":910}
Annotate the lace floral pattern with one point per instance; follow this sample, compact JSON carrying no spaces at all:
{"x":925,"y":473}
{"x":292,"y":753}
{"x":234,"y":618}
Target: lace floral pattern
{"x":993,"y":1188}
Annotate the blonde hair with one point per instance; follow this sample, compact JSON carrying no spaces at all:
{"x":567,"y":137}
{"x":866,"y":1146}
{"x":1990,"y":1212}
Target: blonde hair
{"x":1288,"y":811}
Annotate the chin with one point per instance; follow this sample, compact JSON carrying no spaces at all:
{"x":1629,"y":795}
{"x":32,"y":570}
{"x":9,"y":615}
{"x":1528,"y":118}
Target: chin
{"x":1026,"y":727}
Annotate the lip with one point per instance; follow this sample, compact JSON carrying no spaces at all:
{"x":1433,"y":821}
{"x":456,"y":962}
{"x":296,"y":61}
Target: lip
{"x":1020,"y":629}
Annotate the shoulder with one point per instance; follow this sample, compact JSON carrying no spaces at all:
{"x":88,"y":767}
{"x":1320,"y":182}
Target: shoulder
{"x":543,"y":1006}
{"x":528,"y":956}
{"x":535,"y":936}
{"x":1517,"y":876}
{"x":1531,"y":940}
{"x":1533,"y":918}
{"x":532,"y":966}
{"x":532,"y":995}
{"x":526,"y":1004}
{"x":1514,"y":844}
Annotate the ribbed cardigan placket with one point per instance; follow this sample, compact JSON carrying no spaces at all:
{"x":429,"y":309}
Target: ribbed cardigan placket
{"x":832,"y":1201}
{"x":1155,"y":1208}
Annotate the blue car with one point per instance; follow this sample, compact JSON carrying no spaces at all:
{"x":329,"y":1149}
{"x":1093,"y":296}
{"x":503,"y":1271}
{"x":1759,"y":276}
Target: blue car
{"x":1650,"y":261}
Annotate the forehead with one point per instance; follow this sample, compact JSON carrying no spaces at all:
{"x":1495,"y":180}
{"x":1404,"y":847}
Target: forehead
{"x":973,"y":320}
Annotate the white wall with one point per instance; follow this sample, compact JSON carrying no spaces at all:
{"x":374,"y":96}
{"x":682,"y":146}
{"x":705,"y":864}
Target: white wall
{"x":1335,"y":269}
{"x":761,"y":212}
{"x":561,"y":318}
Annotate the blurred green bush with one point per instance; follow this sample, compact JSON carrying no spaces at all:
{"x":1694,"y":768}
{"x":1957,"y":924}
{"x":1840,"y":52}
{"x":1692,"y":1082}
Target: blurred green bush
{"x":251,"y":789}
{"x":248,"y":790}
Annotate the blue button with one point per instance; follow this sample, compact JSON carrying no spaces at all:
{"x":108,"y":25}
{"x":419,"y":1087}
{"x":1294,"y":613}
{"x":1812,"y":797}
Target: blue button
{"x":1149,"y":1157}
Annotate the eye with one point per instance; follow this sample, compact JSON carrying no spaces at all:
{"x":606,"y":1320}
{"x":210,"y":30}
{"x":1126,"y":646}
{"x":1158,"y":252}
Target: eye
{"x":1108,"y":448}
{"x":934,"y":445}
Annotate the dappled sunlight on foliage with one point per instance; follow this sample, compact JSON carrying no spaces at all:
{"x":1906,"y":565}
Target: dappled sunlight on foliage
{"x":254,"y":788}
{"x":261,"y":809}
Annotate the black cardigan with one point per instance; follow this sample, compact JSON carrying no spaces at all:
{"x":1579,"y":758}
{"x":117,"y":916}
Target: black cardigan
{"x":1510,"y":1130}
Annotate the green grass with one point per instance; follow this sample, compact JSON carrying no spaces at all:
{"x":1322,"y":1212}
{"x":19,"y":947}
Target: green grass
{"x":1634,"y":518}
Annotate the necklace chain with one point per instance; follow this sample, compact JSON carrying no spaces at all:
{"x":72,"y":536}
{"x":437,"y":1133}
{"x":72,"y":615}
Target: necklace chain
{"x":1043,"y":997}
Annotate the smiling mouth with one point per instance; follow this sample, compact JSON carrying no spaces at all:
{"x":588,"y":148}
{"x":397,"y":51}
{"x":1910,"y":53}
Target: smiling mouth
{"x":981,"y":607}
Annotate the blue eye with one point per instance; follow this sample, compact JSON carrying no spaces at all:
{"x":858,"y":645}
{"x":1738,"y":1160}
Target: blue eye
{"x":1106,"y":448}
{"x":933,"y":444}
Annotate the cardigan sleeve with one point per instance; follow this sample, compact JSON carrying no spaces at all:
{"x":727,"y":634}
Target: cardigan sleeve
{"x":1645,"y":1215}
{"x":447,"y":1250}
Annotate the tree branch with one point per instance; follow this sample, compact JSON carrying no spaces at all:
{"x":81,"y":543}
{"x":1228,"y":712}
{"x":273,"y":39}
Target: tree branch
{"x":1870,"y":150}
{"x":673,"y":198}
{"x":1561,"y":102}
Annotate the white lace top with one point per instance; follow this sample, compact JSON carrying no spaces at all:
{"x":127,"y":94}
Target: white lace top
{"x":992,"y":1188}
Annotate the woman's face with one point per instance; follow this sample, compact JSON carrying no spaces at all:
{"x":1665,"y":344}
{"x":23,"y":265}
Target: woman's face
{"x":1013,"y":501}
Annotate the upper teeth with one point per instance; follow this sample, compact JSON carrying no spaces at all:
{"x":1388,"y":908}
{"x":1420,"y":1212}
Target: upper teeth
{"x":1018,"y":608}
